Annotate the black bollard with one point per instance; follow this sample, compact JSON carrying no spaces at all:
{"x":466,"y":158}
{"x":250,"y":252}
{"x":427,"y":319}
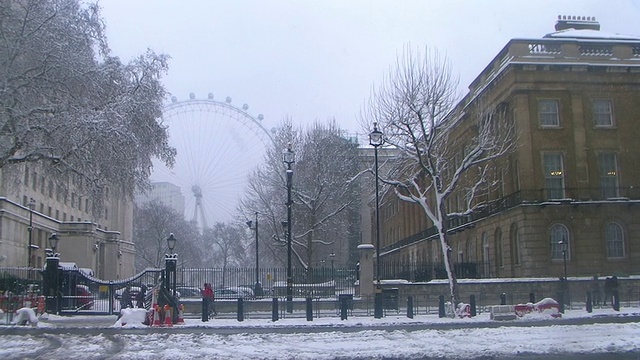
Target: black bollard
{"x":472,"y":304}
{"x":344,"y":307}
{"x":410,"y":307}
{"x":503,"y":299}
{"x":205,"y":310}
{"x":532,"y":297}
{"x":309,"y":309}
{"x":274,"y":309}
{"x":589,"y":304}
{"x":441,"y":312}
{"x":240,"y":309}
{"x":616,"y":300}
{"x":561,"y":302}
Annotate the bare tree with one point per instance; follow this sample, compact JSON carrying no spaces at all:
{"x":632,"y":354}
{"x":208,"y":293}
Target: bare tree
{"x":152,"y":224}
{"x":67,"y":104}
{"x":324,"y":191}
{"x":226,"y":246}
{"x":447,"y":148}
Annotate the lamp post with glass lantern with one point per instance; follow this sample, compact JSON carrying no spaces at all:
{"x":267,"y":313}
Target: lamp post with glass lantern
{"x":32,"y":205}
{"x":289,"y":157}
{"x":332,"y":257}
{"x":257,"y":290}
{"x":376,"y":140}
{"x":563,"y":243}
{"x":52,"y":277}
{"x":171,"y":262}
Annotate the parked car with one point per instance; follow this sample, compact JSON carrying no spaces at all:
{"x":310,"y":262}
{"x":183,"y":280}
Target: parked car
{"x":233,"y":293}
{"x":84,"y":297}
{"x":189,"y":292}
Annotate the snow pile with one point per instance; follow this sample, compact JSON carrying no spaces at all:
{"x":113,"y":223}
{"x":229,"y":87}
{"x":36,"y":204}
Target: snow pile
{"x":25,"y":315}
{"x":131,"y":318}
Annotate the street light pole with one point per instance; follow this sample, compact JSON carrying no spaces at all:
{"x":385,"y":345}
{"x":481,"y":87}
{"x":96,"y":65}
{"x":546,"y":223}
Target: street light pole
{"x":564,"y":255}
{"x":52,"y":278}
{"x":289,"y":157}
{"x":32,"y":205}
{"x":332,"y":256}
{"x":171,"y":264}
{"x":257,"y":290}
{"x":376,"y":140}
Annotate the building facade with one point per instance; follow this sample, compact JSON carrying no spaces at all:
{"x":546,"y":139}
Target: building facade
{"x":568,"y":199}
{"x":166,"y":193}
{"x":32,"y":208}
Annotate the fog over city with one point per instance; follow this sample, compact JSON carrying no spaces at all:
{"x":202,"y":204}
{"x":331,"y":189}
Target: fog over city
{"x":315,"y":60}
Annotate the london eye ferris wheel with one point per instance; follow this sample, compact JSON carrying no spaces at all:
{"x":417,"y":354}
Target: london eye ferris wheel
{"x":218,"y":145}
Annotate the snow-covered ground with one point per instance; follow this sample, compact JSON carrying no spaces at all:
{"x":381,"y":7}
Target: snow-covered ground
{"x":202,"y":340}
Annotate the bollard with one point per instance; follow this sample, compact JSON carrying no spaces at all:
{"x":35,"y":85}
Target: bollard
{"x":532,"y":297}
{"x":410,"y":307}
{"x":205,"y":310}
{"x":274,"y":309}
{"x":561,"y":302}
{"x":472,"y":304}
{"x":503,"y":299}
{"x":616,"y":300}
{"x":240,"y":309}
{"x":344,"y":307}
{"x":441,"y":311}
{"x":309,"y":309}
{"x":589,"y":304}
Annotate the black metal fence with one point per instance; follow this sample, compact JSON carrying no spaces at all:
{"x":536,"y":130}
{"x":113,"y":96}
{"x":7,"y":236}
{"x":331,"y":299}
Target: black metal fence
{"x":424,"y":272}
{"x":315,"y":282}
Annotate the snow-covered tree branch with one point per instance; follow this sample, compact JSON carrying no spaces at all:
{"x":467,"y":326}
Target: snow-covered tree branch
{"x":446,"y":146}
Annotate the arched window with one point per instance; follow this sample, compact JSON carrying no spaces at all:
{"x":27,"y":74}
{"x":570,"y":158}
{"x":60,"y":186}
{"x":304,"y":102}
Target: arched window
{"x":471,"y":250}
{"x":614,"y":238}
{"x":485,"y":255}
{"x":499,"y":250}
{"x":515,"y":243}
{"x":559,"y":237}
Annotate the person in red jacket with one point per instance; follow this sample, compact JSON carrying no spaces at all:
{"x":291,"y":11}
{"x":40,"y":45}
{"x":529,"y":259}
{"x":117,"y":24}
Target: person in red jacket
{"x":207,"y":302}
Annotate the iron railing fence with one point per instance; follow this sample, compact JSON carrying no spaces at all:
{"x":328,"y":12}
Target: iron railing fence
{"x":424,"y":272}
{"x":315,"y":282}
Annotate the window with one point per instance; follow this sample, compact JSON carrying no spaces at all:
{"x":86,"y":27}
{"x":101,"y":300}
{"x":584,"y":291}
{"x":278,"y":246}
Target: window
{"x":34,"y":180}
{"x":515,"y":243}
{"x":553,"y":176}
{"x":615,"y":240}
{"x":608,"y":171}
{"x":548,"y":111}
{"x":602,"y":113}
{"x":559,"y":237}
{"x":499,"y":250}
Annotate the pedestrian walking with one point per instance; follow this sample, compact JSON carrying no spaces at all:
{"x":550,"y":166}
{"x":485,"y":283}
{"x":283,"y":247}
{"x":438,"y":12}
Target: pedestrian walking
{"x":140,"y":297}
{"x":207,"y":302}
{"x":125,"y":299}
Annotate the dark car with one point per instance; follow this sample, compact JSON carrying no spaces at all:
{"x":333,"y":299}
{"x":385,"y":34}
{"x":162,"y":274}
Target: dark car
{"x":189,"y":292}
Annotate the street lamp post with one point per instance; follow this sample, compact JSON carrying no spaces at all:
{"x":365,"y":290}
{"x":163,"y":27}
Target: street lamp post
{"x":563,"y":243}
{"x":376,"y":140}
{"x":32,"y":205}
{"x":257,"y":287}
{"x":289,"y":157}
{"x":52,"y":278}
{"x":332,"y":256}
{"x":171,"y":263}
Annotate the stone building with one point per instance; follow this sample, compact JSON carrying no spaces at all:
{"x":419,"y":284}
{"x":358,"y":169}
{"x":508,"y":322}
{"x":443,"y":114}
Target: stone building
{"x":568,"y":195}
{"x":32,"y":208}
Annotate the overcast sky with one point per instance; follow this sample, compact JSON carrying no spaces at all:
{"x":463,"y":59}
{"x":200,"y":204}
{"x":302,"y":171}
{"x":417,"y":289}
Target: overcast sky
{"x":314,"y":60}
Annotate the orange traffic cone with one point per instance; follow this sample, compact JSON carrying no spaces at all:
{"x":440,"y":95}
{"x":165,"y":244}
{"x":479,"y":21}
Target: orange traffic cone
{"x":156,"y":316}
{"x":180,"y":316}
{"x":168,"y":322}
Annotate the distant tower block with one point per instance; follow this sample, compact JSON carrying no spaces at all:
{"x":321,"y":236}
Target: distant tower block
{"x":199,"y":209}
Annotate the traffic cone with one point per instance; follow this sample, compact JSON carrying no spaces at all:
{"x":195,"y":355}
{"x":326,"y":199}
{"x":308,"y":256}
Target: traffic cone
{"x":180,"y":316}
{"x":168,"y":322}
{"x":156,"y":316}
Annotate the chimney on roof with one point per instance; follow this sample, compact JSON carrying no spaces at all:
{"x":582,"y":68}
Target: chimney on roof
{"x":577,"y":22}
